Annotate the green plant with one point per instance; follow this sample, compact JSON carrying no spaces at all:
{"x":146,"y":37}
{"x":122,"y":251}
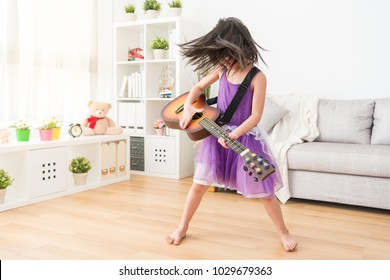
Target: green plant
{"x":152,"y":5}
{"x":21,"y":124}
{"x":159,"y":43}
{"x":49,"y":123}
{"x":130,"y":9}
{"x":201,"y":74}
{"x":175,"y":4}
{"x":5,"y":179}
{"x":80,"y":165}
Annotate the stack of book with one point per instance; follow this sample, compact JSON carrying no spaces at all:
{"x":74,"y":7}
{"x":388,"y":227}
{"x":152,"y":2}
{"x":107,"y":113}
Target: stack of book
{"x":131,"y":86}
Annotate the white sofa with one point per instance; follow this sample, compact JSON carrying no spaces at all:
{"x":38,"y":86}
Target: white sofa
{"x":349,"y":162}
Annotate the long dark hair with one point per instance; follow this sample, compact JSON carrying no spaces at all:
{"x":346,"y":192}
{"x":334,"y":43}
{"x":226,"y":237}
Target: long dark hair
{"x":229,"y":41}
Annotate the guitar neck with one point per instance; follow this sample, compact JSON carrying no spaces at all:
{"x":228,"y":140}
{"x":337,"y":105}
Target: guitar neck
{"x":218,"y":132}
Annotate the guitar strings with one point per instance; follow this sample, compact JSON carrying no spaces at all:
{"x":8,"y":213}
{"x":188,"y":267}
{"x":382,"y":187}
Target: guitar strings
{"x":236,"y":145}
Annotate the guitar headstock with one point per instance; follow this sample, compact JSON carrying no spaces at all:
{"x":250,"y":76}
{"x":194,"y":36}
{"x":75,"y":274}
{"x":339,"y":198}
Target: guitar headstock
{"x":257,"y":167}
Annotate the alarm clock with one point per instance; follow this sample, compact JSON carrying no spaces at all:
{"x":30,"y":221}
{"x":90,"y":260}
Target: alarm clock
{"x":75,"y":130}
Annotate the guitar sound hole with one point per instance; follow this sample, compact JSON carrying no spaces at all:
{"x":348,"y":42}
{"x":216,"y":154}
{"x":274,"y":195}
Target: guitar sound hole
{"x":197,"y":116}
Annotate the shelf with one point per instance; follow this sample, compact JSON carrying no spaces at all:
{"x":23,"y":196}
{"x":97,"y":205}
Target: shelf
{"x":140,"y":62}
{"x":139,"y":108}
{"x":159,"y":99}
{"x":36,"y":143}
{"x":132,"y":63}
{"x":40,"y":168}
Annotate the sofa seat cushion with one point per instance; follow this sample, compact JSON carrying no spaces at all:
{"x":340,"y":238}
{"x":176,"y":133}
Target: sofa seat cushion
{"x":353,"y":159}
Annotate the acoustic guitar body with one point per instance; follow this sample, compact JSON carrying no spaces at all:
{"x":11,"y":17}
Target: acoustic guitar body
{"x":174,"y":109}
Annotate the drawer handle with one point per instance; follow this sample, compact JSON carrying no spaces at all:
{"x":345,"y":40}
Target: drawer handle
{"x":121,"y":168}
{"x":112,"y":169}
{"x":104,"y":171}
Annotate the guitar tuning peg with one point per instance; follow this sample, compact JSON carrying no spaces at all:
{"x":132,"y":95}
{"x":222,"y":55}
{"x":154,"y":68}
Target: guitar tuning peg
{"x":245,"y":168}
{"x":259,"y":159}
{"x":250,"y":173}
{"x":255,"y":179}
{"x":258,"y":170}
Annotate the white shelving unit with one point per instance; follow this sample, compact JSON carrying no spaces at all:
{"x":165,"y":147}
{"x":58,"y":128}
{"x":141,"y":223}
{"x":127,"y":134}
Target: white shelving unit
{"x":40,"y":168}
{"x":170,"y":155}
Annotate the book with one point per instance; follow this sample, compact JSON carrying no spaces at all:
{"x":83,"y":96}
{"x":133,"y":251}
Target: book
{"x":122,"y":92}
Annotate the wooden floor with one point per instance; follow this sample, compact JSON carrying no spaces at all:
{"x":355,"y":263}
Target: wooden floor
{"x":130,"y":221}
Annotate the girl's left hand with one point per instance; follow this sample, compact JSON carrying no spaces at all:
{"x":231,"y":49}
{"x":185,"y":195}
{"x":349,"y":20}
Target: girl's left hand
{"x":222,"y":142}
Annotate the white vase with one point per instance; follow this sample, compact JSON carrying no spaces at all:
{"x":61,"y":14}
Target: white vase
{"x":151,"y":14}
{"x":2,"y":195}
{"x":175,"y":12}
{"x":159,"y":54}
{"x":80,"y":178}
{"x":130,"y":16}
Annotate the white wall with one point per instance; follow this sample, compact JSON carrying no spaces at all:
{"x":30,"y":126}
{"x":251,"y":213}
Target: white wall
{"x":332,"y":49}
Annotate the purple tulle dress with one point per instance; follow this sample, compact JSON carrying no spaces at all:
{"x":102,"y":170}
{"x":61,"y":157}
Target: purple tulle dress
{"x":218,"y":166}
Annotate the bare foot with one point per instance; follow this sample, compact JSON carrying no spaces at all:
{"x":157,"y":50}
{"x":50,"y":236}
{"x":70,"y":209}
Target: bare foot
{"x":176,"y":237}
{"x":289,"y":243}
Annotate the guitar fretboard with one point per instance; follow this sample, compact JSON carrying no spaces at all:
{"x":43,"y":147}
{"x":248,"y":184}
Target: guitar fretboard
{"x":218,"y":132}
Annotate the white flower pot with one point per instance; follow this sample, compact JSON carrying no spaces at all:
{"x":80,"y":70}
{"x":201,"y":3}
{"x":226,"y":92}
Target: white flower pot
{"x":130,"y":16}
{"x":2,"y":195}
{"x":160,"y":54}
{"x":175,"y":12}
{"x":151,"y":14}
{"x":80,"y":178}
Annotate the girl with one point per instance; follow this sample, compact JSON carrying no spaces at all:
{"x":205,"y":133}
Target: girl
{"x":231,"y":52}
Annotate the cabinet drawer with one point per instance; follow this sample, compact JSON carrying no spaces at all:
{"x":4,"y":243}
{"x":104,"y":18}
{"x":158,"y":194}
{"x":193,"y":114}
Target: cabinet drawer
{"x":137,"y":146}
{"x":137,"y":163}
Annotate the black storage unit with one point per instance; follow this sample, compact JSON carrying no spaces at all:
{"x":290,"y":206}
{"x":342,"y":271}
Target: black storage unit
{"x":137,"y":154}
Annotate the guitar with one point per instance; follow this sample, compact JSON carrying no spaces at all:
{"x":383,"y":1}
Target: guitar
{"x":203,"y":124}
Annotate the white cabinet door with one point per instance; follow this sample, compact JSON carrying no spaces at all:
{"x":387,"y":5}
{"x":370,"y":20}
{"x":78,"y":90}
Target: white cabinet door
{"x":47,"y":171}
{"x":160,"y":155}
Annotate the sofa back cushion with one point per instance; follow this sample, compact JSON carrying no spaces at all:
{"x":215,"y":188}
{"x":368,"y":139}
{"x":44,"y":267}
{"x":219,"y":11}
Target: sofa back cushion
{"x":381,"y":130}
{"x":272,"y":114}
{"x":345,"y":121}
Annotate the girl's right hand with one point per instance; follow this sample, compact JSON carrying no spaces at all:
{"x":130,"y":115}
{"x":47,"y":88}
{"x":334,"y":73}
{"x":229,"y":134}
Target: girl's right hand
{"x":186,"y":117}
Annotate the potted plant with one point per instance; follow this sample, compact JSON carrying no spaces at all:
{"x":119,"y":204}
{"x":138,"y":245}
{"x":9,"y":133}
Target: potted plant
{"x":56,"y":127}
{"x":200,"y":75}
{"x":130,"y":12}
{"x":79,"y":166}
{"x":175,"y":7}
{"x":152,"y":8}
{"x":46,"y":129}
{"x":5,"y":181}
{"x":159,"y":45}
{"x":159,"y":125}
{"x":22,"y":129}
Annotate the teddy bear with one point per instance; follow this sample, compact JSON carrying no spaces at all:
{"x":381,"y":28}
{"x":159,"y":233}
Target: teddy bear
{"x":4,"y":136}
{"x":98,"y":123}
